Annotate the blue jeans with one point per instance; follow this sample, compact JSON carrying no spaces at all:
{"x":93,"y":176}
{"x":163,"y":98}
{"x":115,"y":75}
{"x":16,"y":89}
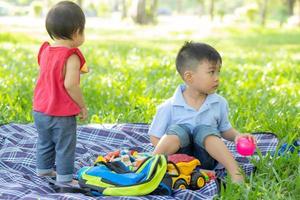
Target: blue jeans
{"x":56,"y":142}
{"x":191,"y":142}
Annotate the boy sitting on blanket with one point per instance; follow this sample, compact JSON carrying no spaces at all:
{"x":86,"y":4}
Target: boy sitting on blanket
{"x":195,"y":118}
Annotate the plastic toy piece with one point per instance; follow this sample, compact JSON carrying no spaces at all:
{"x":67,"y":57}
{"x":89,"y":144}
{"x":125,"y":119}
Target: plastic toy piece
{"x":110,"y":156}
{"x":126,"y":160}
{"x":197,"y":180}
{"x":130,"y":158}
{"x":100,"y":159}
{"x":178,"y":157}
{"x":134,"y":153}
{"x":180,"y":184}
{"x":209,"y":175}
{"x":245,"y":146}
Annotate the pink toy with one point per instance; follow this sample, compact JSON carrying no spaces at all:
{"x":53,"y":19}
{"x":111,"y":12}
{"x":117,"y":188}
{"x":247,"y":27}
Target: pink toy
{"x":245,"y":146}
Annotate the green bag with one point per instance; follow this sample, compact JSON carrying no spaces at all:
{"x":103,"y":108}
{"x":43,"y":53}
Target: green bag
{"x":115,"y":179}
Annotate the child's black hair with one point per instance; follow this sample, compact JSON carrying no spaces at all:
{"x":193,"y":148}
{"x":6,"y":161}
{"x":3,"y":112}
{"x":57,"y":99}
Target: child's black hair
{"x":64,"y":19}
{"x":192,"y":53}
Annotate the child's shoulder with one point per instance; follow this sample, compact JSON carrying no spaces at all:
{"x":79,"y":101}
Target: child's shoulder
{"x":76,"y":52}
{"x":41,"y":50}
{"x":166,"y":104}
{"x":43,"y":46}
{"x":219,"y":98}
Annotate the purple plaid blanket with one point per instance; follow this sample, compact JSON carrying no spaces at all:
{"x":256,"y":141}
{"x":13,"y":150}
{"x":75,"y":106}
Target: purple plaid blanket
{"x":17,"y":159}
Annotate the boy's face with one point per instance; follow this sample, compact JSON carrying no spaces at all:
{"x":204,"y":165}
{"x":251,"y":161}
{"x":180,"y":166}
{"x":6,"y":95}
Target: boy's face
{"x":205,"y":78}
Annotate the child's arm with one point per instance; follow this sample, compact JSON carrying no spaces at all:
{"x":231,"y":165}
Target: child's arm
{"x":234,"y":135}
{"x":160,"y":123}
{"x":227,"y":131}
{"x":71,"y":83}
{"x":230,"y":134}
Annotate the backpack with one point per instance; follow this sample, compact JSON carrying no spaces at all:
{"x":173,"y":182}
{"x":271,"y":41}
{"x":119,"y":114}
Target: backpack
{"x":116,"y":179}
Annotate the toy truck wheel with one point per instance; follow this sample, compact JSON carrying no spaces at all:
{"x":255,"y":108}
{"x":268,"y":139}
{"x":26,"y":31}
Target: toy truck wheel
{"x":197,"y":180}
{"x":180,"y":184}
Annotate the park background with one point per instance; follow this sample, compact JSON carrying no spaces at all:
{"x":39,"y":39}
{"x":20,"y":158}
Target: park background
{"x":131,"y":47}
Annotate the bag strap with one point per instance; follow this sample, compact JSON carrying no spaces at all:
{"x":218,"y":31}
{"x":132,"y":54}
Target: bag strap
{"x":117,"y":167}
{"x":177,"y":169}
{"x":155,"y":176}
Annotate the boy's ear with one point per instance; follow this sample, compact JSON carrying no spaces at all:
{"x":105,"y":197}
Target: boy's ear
{"x":187,"y":76}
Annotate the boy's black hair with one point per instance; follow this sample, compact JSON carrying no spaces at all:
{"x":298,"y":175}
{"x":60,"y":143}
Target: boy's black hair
{"x":64,"y":19}
{"x":192,"y":53}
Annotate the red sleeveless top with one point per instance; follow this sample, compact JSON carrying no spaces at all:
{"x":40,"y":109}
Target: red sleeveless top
{"x":50,"y":95}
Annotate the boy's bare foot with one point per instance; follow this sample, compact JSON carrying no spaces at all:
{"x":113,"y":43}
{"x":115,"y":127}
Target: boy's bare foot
{"x":53,"y":173}
{"x":74,"y":182}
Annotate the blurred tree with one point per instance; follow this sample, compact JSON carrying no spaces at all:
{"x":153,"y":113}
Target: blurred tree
{"x":145,"y":11}
{"x":251,"y":12}
{"x":263,"y":5}
{"x":290,"y":4}
{"x":153,"y":10}
{"x":37,"y":8}
{"x":211,"y":9}
{"x":279,"y":11}
{"x":282,"y":15}
{"x":201,"y":8}
{"x":124,"y":9}
{"x":298,"y":13}
{"x":221,"y":10}
{"x":103,"y":8}
{"x":24,"y":2}
{"x":218,"y":8}
{"x":141,"y":12}
{"x":179,"y":6}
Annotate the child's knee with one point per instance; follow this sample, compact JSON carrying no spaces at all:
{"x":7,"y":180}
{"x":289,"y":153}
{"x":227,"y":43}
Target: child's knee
{"x":210,"y":139}
{"x":171,"y":139}
{"x":202,"y":132}
{"x":168,"y":144}
{"x":179,"y":133}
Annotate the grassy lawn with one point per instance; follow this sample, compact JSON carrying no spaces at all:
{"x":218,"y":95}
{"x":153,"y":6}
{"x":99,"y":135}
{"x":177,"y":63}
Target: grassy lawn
{"x":129,"y":77}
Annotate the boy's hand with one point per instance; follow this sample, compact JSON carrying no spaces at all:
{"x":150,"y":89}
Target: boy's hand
{"x":83,"y":113}
{"x":245,"y":135}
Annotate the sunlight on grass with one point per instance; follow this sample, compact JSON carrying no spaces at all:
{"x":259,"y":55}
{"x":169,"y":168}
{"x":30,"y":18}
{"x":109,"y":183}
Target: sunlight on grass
{"x":129,"y":77}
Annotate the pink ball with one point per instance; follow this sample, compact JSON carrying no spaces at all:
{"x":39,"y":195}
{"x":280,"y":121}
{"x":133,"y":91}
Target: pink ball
{"x":245,"y":147}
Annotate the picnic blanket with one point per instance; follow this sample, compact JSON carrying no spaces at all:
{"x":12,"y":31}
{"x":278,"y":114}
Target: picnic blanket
{"x":17,"y":159}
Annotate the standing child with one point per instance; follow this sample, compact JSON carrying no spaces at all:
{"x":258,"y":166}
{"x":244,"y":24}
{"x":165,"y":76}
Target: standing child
{"x":195,"y":118}
{"x":57,"y":95}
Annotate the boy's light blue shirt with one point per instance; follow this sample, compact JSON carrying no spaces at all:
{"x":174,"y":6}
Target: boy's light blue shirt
{"x":213,"y":112}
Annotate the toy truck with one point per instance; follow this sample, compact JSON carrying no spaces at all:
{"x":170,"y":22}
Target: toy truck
{"x":184,"y":172}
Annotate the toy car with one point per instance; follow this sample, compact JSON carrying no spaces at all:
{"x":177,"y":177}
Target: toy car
{"x":183,"y":169}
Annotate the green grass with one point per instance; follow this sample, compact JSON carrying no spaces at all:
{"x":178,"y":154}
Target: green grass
{"x":260,"y":78}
